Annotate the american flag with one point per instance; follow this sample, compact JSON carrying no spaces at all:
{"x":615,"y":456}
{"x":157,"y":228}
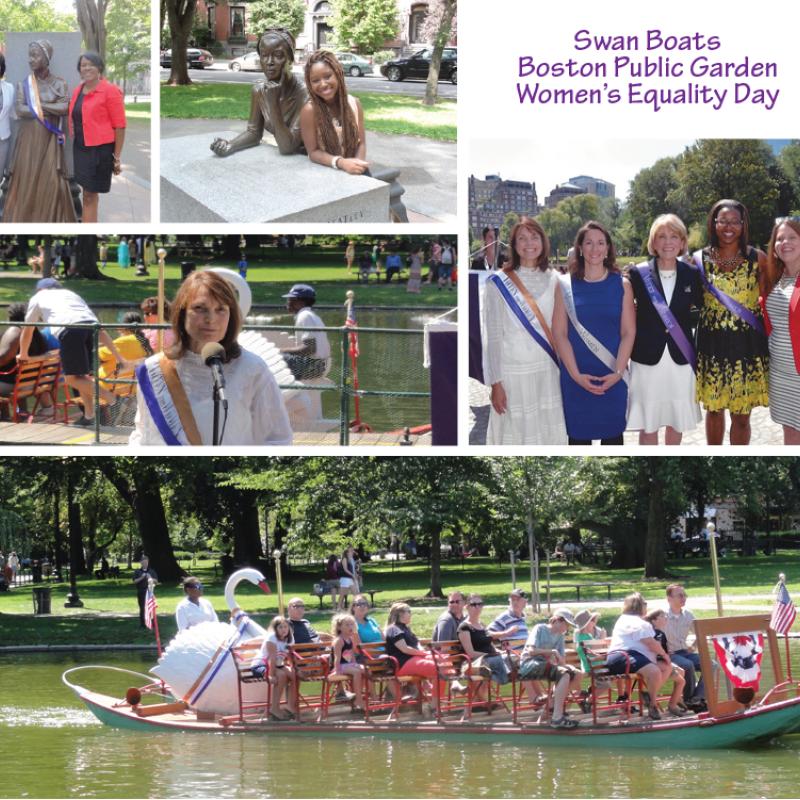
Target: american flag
{"x":784,"y":612}
{"x":350,"y":322}
{"x":150,"y":606}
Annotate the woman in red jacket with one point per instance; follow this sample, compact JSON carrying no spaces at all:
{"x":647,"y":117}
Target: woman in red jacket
{"x":97,"y":124}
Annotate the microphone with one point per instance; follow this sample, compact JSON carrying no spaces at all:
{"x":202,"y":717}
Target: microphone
{"x":213,"y":354}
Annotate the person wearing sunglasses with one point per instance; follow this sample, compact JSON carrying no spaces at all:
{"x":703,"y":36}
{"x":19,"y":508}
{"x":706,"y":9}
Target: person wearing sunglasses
{"x":446,"y":629}
{"x":194,"y":608}
{"x":303,"y":631}
{"x":368,"y":629}
{"x":477,"y":644}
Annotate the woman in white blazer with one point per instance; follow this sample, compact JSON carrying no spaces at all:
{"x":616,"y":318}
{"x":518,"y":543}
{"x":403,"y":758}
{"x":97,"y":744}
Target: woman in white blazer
{"x":7,"y":113}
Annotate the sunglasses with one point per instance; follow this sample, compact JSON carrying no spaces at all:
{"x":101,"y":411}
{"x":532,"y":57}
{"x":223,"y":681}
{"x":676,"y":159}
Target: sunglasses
{"x":475,"y":605}
{"x":297,"y":605}
{"x":361,"y":603}
{"x":194,"y":586}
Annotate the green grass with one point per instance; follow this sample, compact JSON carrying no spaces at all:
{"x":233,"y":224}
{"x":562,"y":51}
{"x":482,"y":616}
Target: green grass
{"x":137,"y":110}
{"x":382,"y":113}
{"x":110,"y":614}
{"x":266,"y":283}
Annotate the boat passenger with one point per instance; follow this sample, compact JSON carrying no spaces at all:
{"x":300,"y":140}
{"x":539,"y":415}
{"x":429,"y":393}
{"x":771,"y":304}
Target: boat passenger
{"x":680,"y":623}
{"x":273,"y":661}
{"x":477,"y":644}
{"x":446,"y":628}
{"x":345,"y":632}
{"x":544,"y":658}
{"x":586,"y":630}
{"x":403,"y":645}
{"x":194,"y":608}
{"x":368,"y":629}
{"x":633,"y":642}
{"x":658,"y":619}
{"x":302,"y":630}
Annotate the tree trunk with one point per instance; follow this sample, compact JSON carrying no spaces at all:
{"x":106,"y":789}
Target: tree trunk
{"x":138,"y":485}
{"x":86,"y":258}
{"x":47,"y":266}
{"x":76,"y":558}
{"x":92,"y":21}
{"x":435,"y":540}
{"x":442,"y":35}
{"x":181,"y":15}
{"x":58,"y":539}
{"x":654,"y":566}
{"x":247,"y":535}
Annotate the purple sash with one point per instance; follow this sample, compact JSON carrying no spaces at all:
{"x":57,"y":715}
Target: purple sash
{"x":39,"y":114}
{"x":735,"y":307}
{"x":667,"y":317}
{"x":150,"y":399}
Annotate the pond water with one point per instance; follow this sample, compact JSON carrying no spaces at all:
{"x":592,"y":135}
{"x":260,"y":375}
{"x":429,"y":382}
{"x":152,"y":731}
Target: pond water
{"x":51,"y":746}
{"x":388,"y":362}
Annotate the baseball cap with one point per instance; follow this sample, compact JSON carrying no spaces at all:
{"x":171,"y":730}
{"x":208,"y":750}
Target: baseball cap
{"x":47,"y":283}
{"x":518,"y":593}
{"x":302,"y":291}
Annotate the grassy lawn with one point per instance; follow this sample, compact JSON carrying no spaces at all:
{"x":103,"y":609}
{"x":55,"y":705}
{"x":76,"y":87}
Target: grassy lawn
{"x":110,"y":612}
{"x":382,"y":113}
{"x":266,"y":283}
{"x":137,"y":110}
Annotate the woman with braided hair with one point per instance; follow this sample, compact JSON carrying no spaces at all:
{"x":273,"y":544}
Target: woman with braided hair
{"x":332,"y":122}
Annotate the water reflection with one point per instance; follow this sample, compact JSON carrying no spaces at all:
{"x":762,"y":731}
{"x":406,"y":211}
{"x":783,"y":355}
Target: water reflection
{"x":81,"y":758}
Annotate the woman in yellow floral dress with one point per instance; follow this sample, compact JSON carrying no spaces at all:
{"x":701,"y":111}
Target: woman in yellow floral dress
{"x":732,"y":350}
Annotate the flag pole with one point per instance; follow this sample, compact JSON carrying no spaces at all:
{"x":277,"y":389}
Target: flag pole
{"x":782,"y":583}
{"x":712,"y":549}
{"x":162,"y":254}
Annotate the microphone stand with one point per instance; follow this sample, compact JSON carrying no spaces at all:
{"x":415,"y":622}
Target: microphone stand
{"x":496,"y":258}
{"x":218,"y":401}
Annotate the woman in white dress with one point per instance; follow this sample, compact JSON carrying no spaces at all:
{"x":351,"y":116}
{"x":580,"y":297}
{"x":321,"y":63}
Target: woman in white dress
{"x":520,"y":363}
{"x":782,"y":315}
{"x":175,"y":399}
{"x":666,"y":290}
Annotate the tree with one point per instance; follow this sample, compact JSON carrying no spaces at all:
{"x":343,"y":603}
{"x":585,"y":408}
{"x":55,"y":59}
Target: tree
{"x":364,"y":24}
{"x":437,"y":29}
{"x":33,"y":15}
{"x":86,"y":257}
{"x":289,"y":14}
{"x":789,"y":161}
{"x":647,"y":197}
{"x":128,"y":39}
{"x":180,"y":15}
{"x":713,"y":169}
{"x":92,"y":22}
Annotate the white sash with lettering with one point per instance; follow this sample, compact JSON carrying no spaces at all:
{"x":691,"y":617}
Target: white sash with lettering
{"x":166,"y":412}
{"x":606,"y":357}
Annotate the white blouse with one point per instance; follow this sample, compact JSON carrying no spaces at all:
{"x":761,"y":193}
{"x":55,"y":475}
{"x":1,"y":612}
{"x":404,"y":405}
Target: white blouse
{"x":256,"y":412}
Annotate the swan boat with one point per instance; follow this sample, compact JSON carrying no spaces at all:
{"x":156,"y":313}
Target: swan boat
{"x":739,"y":713}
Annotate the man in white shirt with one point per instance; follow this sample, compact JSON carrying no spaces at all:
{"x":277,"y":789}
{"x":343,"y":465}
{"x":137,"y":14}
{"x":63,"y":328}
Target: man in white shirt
{"x":194,"y":608}
{"x":7,"y":113}
{"x":60,"y":308}
{"x":311,"y":357}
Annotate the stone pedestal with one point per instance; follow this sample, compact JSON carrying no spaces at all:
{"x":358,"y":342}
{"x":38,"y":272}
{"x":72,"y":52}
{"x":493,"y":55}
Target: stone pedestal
{"x":261,"y":185}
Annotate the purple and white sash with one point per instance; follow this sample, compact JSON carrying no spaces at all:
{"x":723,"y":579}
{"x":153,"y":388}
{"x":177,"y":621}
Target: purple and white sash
{"x":667,"y":317}
{"x":598,"y":349}
{"x":727,"y":302}
{"x":522,"y":311}
{"x":30,"y":89}
{"x":159,"y":403}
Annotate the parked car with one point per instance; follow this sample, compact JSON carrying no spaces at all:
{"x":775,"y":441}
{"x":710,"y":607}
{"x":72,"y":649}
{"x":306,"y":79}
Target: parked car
{"x":196,"y":57}
{"x":249,"y":62}
{"x":417,"y":65}
{"x":354,"y":65}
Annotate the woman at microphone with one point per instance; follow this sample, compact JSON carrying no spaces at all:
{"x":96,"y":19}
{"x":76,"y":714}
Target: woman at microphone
{"x":176,"y":388}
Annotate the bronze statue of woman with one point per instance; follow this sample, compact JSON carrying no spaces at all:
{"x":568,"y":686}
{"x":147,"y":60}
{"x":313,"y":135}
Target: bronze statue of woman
{"x":39,"y":189}
{"x":276,"y":102}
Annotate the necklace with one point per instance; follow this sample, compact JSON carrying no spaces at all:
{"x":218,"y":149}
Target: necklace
{"x":667,"y":275}
{"x":596,"y":280}
{"x":724,"y":263}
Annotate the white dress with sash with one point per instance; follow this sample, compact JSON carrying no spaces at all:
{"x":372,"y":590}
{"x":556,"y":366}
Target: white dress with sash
{"x":530,"y":377}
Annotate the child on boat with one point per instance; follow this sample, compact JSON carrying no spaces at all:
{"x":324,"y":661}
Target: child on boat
{"x":273,"y":661}
{"x":658,"y":619}
{"x":345,"y":629}
{"x":332,"y":122}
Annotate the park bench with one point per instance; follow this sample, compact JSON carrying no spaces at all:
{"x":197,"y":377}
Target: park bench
{"x":579,"y":586}
{"x":602,"y":682}
{"x":36,"y":377}
{"x":324,"y":588}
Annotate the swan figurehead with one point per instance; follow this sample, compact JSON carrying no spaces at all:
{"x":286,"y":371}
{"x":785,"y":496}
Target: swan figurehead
{"x":197,"y":664}
{"x":238,"y":617}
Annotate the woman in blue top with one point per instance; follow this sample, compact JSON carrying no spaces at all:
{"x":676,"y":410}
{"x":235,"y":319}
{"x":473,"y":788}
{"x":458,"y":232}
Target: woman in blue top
{"x":594,"y":359}
{"x":368,"y":629}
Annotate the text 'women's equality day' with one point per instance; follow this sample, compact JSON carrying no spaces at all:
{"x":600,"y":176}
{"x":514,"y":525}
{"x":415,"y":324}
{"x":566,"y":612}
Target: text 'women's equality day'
{"x":633,"y":78}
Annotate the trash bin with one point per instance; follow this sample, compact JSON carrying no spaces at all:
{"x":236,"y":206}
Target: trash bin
{"x":41,"y":600}
{"x":187,"y":268}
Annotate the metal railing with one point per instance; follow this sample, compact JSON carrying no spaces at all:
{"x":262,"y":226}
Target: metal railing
{"x":411,"y":376}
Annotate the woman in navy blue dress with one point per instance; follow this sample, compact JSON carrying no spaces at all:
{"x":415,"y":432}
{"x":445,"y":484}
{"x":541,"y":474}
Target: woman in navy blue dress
{"x":594,"y":355}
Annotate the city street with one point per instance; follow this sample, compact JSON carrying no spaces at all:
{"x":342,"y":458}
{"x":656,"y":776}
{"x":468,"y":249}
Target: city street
{"x":219,"y":73}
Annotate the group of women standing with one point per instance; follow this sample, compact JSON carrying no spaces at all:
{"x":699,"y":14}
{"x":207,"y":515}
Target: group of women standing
{"x":38,"y":182}
{"x":577,"y":357}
